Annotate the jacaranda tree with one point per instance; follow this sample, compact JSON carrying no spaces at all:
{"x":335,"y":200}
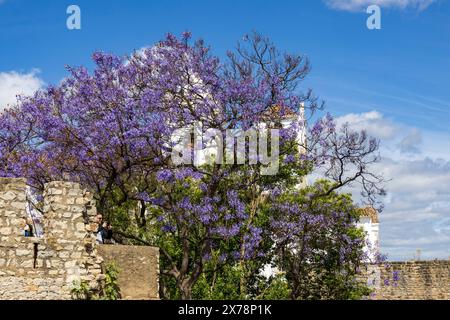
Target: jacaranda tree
{"x":110,"y":129}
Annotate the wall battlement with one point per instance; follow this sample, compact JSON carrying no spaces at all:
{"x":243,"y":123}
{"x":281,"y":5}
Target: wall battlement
{"x":48,"y":267}
{"x":415,"y":280}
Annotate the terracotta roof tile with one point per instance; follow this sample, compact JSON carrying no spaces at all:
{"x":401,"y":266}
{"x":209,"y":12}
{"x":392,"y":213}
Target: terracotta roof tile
{"x":281,"y":112}
{"x":370,"y":213}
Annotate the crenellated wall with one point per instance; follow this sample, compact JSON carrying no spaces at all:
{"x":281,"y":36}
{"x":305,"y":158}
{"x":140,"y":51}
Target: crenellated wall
{"x":417,"y":280}
{"x":410,"y":280}
{"x":49,"y":267}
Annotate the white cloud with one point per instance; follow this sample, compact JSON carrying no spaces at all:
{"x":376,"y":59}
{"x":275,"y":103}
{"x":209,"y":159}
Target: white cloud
{"x":411,"y":143}
{"x":373,"y":122}
{"x":416,"y":165}
{"x":417,"y":208}
{"x":359,"y":5}
{"x":14,"y":83}
{"x":398,"y":140}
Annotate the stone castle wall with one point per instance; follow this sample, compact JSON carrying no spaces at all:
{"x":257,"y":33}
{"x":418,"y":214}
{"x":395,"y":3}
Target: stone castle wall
{"x":49,"y":267}
{"x":411,"y":280}
{"x":138,"y":277}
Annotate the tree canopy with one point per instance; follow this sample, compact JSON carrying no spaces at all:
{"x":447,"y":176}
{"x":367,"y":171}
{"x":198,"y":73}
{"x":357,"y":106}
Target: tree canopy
{"x":110,"y":130}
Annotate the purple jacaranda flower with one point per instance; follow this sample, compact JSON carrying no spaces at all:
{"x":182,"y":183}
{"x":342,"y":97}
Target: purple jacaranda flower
{"x":164,"y":176}
{"x":289,"y":159}
{"x":168,"y":228}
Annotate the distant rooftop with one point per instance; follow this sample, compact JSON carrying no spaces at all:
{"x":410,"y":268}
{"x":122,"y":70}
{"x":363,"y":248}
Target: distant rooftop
{"x":283,"y":112}
{"x":370,"y":213}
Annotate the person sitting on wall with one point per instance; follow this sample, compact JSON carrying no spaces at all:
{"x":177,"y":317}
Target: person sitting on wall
{"x":28,"y":227}
{"x":99,"y":232}
{"x":107,"y":233}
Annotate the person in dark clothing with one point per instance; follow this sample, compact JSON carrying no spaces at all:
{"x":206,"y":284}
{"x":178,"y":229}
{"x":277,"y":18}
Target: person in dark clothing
{"x":28,"y":227}
{"x":99,"y":232}
{"x":107,"y":233}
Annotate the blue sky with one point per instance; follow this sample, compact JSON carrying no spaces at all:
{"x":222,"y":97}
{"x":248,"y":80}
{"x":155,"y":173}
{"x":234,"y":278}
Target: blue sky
{"x":394,"y":82}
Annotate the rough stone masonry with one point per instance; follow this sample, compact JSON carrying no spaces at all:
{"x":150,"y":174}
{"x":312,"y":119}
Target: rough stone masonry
{"x":49,"y":267}
{"x":415,"y":280}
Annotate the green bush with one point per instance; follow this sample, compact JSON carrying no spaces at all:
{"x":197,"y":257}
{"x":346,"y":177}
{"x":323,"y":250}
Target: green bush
{"x":111,"y":289}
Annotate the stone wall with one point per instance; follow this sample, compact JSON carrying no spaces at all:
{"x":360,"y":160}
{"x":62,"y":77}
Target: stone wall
{"x":412,"y":280}
{"x":138,"y":277}
{"x":49,"y":267}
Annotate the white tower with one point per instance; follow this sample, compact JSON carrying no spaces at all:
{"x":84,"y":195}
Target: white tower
{"x":370,"y":224}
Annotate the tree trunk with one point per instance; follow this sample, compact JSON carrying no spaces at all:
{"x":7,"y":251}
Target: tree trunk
{"x":185,"y":289}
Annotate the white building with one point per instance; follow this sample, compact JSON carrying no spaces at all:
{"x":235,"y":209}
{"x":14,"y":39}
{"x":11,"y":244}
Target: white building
{"x":210,"y":146}
{"x":370,"y":224}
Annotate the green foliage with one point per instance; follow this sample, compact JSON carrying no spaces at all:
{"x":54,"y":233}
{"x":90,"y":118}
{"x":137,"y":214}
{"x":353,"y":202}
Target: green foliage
{"x":81,"y":290}
{"x":277,"y":289}
{"x":111,"y":290}
{"x":219,"y":285}
{"x":224,"y":286}
{"x":321,"y":279}
{"x":321,"y":262}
